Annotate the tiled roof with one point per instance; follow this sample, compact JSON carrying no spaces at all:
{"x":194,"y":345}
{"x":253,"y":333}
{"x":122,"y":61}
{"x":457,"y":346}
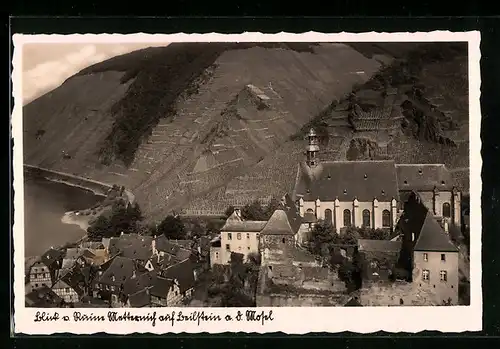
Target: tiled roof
{"x":72,"y":279}
{"x":346,"y":180}
{"x":140,"y":299}
{"x":417,"y":220}
{"x":379,"y":245}
{"x":278,"y":224}
{"x":424,"y":177}
{"x":243,"y":226}
{"x":130,"y":243}
{"x":118,"y":272}
{"x":161,"y":287}
{"x":138,"y":283}
{"x":43,"y":297}
{"x":51,"y":256}
{"x":433,"y":238}
{"x":183,"y":272}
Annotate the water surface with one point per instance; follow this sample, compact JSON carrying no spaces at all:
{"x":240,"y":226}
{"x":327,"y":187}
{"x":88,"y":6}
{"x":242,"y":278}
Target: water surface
{"x":45,"y":203}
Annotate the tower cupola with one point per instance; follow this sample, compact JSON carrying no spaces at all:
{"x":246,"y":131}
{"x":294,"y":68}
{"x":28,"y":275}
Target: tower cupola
{"x":312,"y":149}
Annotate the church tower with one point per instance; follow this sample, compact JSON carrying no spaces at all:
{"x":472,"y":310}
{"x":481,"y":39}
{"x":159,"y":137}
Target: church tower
{"x":312,"y":149}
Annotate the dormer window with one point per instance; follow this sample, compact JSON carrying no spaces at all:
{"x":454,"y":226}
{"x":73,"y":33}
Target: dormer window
{"x":406,"y":182}
{"x":383,"y":192}
{"x":366,"y":176}
{"x":420,"y":171}
{"x":442,"y":182}
{"x":329,"y":177}
{"x":345,"y":191}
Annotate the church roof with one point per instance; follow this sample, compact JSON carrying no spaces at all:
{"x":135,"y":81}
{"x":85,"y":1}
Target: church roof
{"x":424,"y":177}
{"x":279,"y":224}
{"x":346,"y":180}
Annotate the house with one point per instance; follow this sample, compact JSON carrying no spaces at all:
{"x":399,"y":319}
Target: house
{"x":132,"y":246}
{"x":162,"y":246}
{"x":378,"y":258}
{"x":165,"y":293}
{"x":43,"y":272}
{"x":183,"y":275}
{"x":71,"y":286}
{"x":436,"y":187}
{"x":428,"y":251}
{"x":111,"y":282}
{"x":236,"y":236}
{"x":136,"y":290}
{"x":158,"y":262}
{"x":43,"y":297}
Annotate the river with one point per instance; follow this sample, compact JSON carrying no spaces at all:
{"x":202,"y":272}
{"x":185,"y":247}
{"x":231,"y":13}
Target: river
{"x":45,"y":203}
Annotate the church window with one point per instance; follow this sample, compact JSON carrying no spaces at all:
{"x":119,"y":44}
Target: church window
{"x":446,"y":210}
{"x":366,"y":218}
{"x":328,"y":216}
{"x":238,"y":236}
{"x":229,"y":236}
{"x":347,"y":218}
{"x":386,"y":218}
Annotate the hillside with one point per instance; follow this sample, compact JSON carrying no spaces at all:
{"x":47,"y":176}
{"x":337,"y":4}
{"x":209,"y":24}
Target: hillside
{"x":172,"y":123}
{"x":201,"y":126}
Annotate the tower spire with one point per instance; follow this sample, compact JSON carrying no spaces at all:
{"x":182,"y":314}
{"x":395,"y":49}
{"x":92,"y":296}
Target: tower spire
{"x":312,"y":148}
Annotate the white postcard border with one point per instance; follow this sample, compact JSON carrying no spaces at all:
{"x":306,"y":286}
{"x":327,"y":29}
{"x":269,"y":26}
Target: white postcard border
{"x":290,"y":320}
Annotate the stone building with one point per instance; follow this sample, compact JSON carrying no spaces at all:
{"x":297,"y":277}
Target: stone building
{"x":238,"y":236}
{"x":347,"y":193}
{"x":435,"y":186}
{"x":428,"y":251}
{"x":371,"y":193}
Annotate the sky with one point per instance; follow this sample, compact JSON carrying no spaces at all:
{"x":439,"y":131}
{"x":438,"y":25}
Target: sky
{"x":47,"y":66}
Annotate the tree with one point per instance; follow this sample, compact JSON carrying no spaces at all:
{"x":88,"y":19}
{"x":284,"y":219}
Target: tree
{"x":172,"y":227}
{"x":101,"y":228}
{"x":254,"y":212}
{"x":322,"y":236}
{"x":349,"y":236}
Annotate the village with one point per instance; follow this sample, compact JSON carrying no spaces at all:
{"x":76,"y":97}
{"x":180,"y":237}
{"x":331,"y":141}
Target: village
{"x":351,"y":233}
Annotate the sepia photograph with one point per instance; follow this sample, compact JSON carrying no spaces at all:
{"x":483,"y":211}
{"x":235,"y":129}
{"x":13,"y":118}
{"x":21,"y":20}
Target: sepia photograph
{"x":266,"y":174}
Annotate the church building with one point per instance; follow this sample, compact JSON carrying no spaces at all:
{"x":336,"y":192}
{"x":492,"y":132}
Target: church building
{"x":347,"y":193}
{"x":371,"y":193}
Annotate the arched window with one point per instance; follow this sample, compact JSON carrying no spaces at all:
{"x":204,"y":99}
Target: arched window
{"x":386,"y":218}
{"x":446,"y":210}
{"x":310,"y":210}
{"x":328,"y":216}
{"x":366,"y":218}
{"x":347,"y":218}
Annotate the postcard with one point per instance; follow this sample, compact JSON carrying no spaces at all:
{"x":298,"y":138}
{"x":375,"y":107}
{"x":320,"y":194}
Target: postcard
{"x":257,"y":183}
